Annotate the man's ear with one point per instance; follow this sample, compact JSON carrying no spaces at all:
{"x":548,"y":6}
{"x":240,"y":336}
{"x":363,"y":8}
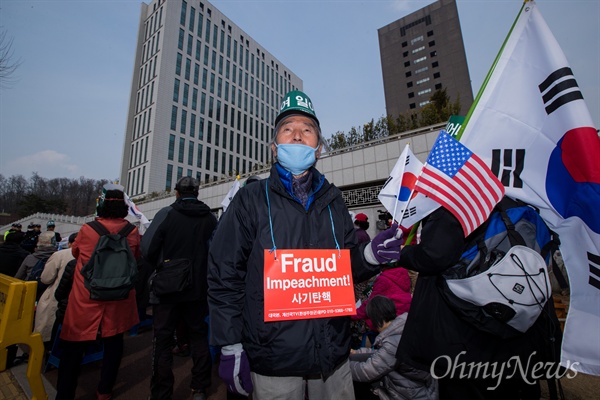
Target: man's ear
{"x":274,"y":150}
{"x":318,"y":152}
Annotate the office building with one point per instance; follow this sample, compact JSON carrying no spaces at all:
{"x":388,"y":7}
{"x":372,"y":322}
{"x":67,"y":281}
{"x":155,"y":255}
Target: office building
{"x":421,"y":53}
{"x":204,"y":96}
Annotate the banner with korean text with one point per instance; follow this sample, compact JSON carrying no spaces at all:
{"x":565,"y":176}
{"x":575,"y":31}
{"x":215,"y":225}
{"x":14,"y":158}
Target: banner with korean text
{"x":308,"y":283}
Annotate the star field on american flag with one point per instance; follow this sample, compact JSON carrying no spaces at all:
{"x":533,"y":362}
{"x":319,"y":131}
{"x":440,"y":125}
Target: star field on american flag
{"x":449,"y":156}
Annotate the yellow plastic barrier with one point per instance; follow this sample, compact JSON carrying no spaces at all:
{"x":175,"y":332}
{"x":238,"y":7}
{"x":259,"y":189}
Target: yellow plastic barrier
{"x":17,"y":305}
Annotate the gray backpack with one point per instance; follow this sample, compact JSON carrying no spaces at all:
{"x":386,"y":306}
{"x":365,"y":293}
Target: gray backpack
{"x":112,"y":270}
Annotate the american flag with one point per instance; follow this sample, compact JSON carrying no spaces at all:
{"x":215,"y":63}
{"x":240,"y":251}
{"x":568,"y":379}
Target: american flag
{"x":460,"y":181}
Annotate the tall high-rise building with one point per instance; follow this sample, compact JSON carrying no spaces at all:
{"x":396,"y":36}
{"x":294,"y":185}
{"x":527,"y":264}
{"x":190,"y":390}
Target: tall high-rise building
{"x":421,"y":53}
{"x":204,"y":97}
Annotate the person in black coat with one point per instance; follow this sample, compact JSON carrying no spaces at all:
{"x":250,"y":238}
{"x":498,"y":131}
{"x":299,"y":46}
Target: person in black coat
{"x":180,"y":233}
{"x":11,"y":254}
{"x":436,"y":339}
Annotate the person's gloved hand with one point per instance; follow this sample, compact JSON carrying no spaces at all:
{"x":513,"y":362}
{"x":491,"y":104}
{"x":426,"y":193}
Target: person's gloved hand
{"x":385,"y":247}
{"x":234,"y":369}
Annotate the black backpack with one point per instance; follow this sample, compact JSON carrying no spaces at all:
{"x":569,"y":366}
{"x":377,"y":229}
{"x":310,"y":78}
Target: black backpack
{"x":112,"y":270}
{"x":500,"y":284}
{"x":36,"y":274}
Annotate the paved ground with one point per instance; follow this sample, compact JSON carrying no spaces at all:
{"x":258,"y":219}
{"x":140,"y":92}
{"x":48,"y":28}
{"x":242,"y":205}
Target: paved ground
{"x":133,"y":382}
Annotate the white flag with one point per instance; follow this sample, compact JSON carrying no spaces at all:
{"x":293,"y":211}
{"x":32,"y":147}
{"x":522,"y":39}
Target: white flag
{"x":532,"y":126}
{"x":135,"y":212}
{"x":397,"y":190}
{"x":229,"y":196}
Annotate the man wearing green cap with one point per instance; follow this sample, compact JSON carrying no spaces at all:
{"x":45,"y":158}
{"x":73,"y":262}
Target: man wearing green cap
{"x":295,"y":210}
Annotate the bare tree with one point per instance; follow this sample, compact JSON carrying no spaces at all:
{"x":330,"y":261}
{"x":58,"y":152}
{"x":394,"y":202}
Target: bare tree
{"x":8,"y":65}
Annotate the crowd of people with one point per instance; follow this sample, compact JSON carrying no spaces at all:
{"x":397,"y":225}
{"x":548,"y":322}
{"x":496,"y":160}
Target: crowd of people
{"x":201,"y":270}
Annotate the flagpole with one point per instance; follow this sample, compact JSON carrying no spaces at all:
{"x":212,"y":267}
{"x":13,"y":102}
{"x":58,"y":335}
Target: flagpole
{"x":489,"y":74}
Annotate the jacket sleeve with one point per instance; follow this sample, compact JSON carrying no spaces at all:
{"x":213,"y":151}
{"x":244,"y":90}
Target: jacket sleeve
{"x":152,"y":239}
{"x":22,"y":272}
{"x":66,"y":282}
{"x":381,"y":362}
{"x":51,"y":268}
{"x":442,"y":243}
{"x":227,"y":270}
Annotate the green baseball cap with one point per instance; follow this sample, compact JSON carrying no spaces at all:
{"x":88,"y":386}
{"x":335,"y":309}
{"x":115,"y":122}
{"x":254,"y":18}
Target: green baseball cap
{"x":296,"y":102}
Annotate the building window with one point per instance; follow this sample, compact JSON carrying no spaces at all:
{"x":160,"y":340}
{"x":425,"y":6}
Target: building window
{"x":192,"y":124}
{"x":183,"y":13}
{"x":180,"y":41}
{"x":438,"y":86}
{"x":407,"y":64}
{"x":191,"y":154}
{"x":432,"y":43}
{"x":183,"y":121}
{"x":421,"y":81}
{"x":176,"y":91}
{"x":201,"y":129}
{"x":411,"y":95}
{"x":181,"y":149}
{"x":408,"y":74}
{"x":199,"y":30}
{"x":421,"y":70}
{"x":179,"y":173}
{"x":420,"y":59}
{"x":207,"y":31}
{"x":434,"y":64}
{"x":216,"y":162}
{"x":409,"y":84}
{"x":424,"y":103}
{"x":186,"y":89}
{"x":412,"y":106}
{"x":429,"y":33}
{"x":192,"y":17}
{"x":405,"y":54}
{"x":404,"y":44}
{"x":418,"y":49}
{"x":207,"y":164}
{"x":433,"y":54}
{"x":206,"y":55}
{"x":174,"y":118}
{"x":196,"y":73}
{"x":204,"y":78}
{"x":436,"y":75}
{"x":199,"y":158}
{"x":178,"y":64}
{"x":424,"y":91}
{"x":171,"y":152}
{"x":188,"y":67}
{"x":194,"y":98}
{"x":169,"y":177}
{"x":417,"y":39}
{"x":190,"y":45}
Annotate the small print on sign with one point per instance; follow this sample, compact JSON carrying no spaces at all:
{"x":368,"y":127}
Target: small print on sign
{"x":303,"y":284}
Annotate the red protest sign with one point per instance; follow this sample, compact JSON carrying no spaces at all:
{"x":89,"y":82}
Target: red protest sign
{"x":308,"y":283}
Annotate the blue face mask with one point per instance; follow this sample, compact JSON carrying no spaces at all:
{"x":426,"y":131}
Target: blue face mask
{"x":296,"y":158}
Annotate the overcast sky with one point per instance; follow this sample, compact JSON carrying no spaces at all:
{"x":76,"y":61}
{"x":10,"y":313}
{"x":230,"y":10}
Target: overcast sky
{"x":65,"y":112}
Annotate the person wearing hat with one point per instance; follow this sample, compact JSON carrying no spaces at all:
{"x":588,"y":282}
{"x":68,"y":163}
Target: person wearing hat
{"x":86,"y":318}
{"x":295,"y":208}
{"x":44,"y":248}
{"x":16,"y":227}
{"x":51,"y":226}
{"x":361,"y":223}
{"x":180,"y":232}
{"x":30,"y":239}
